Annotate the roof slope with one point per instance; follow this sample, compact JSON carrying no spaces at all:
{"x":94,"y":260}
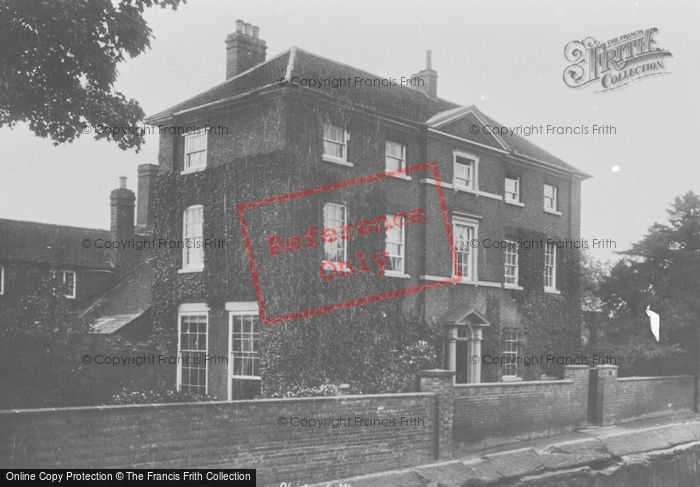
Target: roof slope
{"x":396,"y":101}
{"x":51,"y":244}
{"x":127,"y":300}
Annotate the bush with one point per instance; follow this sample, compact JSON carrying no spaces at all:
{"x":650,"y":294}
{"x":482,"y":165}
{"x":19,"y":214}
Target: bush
{"x":144,"y":396}
{"x":298,"y":391}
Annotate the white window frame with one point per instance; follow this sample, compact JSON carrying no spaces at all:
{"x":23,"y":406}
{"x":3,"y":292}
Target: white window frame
{"x":328,"y":245}
{"x":194,"y":309}
{"x":514,"y":342}
{"x":74,"y":290}
{"x":188,"y":138}
{"x":474,"y":164}
{"x":473,"y":258}
{"x":2,"y":280}
{"x":400,"y":160}
{"x":402,"y":245}
{"x":553,"y":266}
{"x":187,"y":266}
{"x":507,"y":194}
{"x":554,"y":208}
{"x":241,"y":308}
{"x":511,"y":249}
{"x":344,"y":144}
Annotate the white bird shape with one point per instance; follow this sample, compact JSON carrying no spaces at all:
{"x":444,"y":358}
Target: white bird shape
{"x":654,"y":322}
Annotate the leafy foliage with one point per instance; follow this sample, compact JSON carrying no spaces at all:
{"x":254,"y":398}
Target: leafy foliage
{"x":42,"y":343}
{"x":58,"y":66}
{"x":660,"y":271}
{"x":377,"y":347}
{"x":155,"y":396}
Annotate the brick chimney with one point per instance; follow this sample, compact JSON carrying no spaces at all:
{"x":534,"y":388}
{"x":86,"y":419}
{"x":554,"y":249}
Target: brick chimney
{"x":145,"y":200}
{"x":243,"y":49}
{"x":428,"y":76}
{"x":122,"y":211}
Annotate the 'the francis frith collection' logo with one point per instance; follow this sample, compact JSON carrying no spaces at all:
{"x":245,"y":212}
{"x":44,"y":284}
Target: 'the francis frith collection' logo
{"x":615,"y":63}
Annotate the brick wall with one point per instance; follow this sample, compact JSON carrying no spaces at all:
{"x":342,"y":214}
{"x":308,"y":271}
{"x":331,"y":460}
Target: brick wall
{"x":617,"y":399}
{"x":497,"y":413}
{"x":227,"y":435}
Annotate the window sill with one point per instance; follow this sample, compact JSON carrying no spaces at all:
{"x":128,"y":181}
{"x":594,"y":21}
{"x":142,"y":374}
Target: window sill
{"x":514,"y":287}
{"x":511,"y":378}
{"x":463,"y":189}
{"x":188,"y":270}
{"x":457,"y":280}
{"x":192,"y":171}
{"x":335,"y":160}
{"x":515,"y":203}
{"x":551,"y":290}
{"x":246,"y":377}
{"x":397,"y":274}
{"x":552,"y":212}
{"x":401,"y":176}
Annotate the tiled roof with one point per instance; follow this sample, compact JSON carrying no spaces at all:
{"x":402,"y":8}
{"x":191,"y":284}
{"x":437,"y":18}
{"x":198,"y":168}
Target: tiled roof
{"x":51,"y":244}
{"x":127,"y":300}
{"x":396,"y":101}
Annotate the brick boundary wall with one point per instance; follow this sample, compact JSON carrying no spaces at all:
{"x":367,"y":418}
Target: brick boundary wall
{"x":490,"y":414}
{"x":237,"y":434}
{"x":618,"y":399}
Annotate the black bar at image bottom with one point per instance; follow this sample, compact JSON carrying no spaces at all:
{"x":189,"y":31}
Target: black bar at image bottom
{"x":180,"y":477}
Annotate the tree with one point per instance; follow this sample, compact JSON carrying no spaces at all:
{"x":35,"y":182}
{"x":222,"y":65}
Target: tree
{"x":58,"y":66}
{"x":42,"y":345}
{"x":660,"y":271}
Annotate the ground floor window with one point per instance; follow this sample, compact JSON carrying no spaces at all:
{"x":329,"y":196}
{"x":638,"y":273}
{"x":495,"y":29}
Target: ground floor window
{"x":511,"y":341}
{"x":192,"y":353}
{"x":244,"y":346}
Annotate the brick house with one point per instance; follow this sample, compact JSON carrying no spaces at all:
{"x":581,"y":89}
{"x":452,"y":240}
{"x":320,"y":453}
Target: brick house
{"x":110,"y":288}
{"x":494,"y":186}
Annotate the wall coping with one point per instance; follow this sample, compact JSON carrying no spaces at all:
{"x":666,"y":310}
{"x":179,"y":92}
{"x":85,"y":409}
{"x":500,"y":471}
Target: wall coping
{"x":437,"y":373}
{"x":260,"y":402}
{"x":519,"y":383}
{"x":657,"y":377}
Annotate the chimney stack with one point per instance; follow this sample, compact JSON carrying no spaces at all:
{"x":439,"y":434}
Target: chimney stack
{"x":244,"y":49}
{"x":428,"y":77}
{"x":122,"y":211}
{"x":145,"y":202}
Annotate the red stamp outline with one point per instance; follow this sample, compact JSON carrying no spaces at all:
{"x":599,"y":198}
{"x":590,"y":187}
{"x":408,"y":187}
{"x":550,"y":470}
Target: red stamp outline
{"x":353,"y":302}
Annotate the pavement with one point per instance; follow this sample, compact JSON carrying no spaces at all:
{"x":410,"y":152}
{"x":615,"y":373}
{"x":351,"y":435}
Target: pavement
{"x":661,"y":451}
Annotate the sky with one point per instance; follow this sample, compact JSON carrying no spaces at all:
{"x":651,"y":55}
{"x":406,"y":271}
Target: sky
{"x":505,"y":57}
